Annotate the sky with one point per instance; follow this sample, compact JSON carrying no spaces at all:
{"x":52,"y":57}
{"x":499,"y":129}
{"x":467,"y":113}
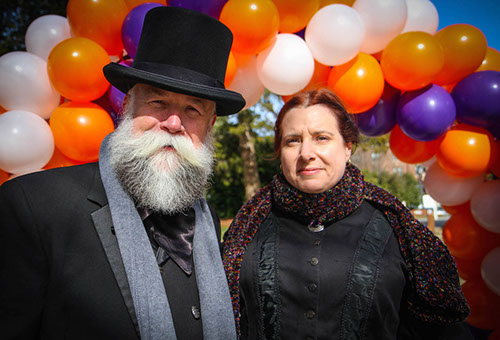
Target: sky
{"x":483,"y":14}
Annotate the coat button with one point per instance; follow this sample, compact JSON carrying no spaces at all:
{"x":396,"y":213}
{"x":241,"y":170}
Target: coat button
{"x":196,"y":312}
{"x":312,"y":287}
{"x":314,"y":261}
{"x":310,"y":314}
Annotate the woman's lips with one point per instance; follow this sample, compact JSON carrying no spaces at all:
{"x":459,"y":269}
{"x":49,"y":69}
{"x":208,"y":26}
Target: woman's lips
{"x":309,"y":171}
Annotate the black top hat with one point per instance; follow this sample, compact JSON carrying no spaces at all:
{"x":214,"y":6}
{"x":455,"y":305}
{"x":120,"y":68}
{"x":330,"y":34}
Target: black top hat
{"x":182,"y":51}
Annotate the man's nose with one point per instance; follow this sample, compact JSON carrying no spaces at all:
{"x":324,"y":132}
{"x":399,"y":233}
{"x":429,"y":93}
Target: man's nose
{"x":172,"y":124}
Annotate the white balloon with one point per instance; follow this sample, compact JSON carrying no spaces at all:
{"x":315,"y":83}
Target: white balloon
{"x":384,"y":20}
{"x":448,"y":189}
{"x":335,"y":34}
{"x":45,"y":32}
{"x":26,"y":142}
{"x":422,"y":16}
{"x":25,"y":84}
{"x":484,"y":205}
{"x":490,"y":270}
{"x":286,"y":66}
{"x":247,"y":82}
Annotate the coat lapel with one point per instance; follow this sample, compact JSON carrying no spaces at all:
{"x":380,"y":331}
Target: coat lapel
{"x":104,"y":227}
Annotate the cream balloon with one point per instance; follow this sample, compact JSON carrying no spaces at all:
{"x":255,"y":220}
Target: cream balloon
{"x":384,"y":20}
{"x":287,"y":66}
{"x":247,"y":82}
{"x":484,"y":205}
{"x":422,"y":16}
{"x":45,"y":32}
{"x":448,"y":189}
{"x":490,"y":270}
{"x":25,"y":84}
{"x":26,"y":142}
{"x":335,"y":34}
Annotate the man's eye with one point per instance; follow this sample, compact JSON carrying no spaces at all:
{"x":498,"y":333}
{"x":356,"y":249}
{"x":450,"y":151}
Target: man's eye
{"x":323,"y":138}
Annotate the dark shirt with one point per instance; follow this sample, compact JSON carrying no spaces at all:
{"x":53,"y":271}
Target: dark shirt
{"x":180,"y":283}
{"x":314,"y":268}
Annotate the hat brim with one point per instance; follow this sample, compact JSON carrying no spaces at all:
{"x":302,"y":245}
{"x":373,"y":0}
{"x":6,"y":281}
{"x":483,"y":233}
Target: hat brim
{"x":124,"y":78}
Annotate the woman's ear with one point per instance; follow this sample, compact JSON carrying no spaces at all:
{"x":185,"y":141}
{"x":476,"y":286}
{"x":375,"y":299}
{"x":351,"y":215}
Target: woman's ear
{"x":348,"y":151}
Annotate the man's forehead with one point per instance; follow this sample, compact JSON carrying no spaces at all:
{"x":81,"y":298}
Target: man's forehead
{"x":152,"y":91}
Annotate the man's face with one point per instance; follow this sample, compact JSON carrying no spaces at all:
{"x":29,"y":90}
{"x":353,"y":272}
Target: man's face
{"x":155,"y":109}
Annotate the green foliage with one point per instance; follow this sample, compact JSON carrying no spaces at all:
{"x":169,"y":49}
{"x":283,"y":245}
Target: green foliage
{"x":17,"y":15}
{"x":405,"y":187}
{"x":227,"y":193}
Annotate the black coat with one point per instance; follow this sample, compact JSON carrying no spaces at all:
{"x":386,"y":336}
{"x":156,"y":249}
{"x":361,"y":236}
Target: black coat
{"x":61,"y":273}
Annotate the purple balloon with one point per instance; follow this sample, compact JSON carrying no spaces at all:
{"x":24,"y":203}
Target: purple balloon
{"x":477,"y":98}
{"x":381,"y":118}
{"x":116,"y":96}
{"x":427,"y":113}
{"x":210,"y":7}
{"x":132,"y":27}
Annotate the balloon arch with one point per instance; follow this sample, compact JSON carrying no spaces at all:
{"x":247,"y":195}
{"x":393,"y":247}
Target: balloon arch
{"x":436,"y":92}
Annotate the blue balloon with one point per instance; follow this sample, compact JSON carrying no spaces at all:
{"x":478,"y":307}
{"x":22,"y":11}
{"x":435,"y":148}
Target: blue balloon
{"x":427,"y":113}
{"x":210,"y":7}
{"x":381,"y":118}
{"x":132,"y":27}
{"x":477,"y":98}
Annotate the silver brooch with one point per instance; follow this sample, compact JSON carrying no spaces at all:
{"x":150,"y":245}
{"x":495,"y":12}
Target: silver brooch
{"x":316,"y":228}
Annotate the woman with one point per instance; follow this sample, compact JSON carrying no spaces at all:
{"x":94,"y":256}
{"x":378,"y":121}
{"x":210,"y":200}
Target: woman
{"x":321,"y":254}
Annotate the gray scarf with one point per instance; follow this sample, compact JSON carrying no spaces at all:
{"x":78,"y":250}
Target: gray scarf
{"x":146,"y":285}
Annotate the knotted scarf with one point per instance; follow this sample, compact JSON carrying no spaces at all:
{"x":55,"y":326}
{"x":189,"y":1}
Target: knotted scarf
{"x":435,"y":297}
{"x":146,"y":285}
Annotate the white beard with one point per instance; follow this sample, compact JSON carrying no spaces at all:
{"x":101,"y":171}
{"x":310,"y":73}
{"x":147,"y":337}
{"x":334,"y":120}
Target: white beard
{"x":166,"y":181}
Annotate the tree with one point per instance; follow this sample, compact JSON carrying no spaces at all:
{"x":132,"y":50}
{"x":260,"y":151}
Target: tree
{"x":16,"y":16}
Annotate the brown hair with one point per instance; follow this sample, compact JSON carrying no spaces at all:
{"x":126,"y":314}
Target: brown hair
{"x":322,"y":96}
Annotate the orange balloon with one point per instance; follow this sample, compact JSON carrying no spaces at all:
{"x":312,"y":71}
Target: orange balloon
{"x":319,"y":79}
{"x":469,"y":269}
{"x":466,"y":239}
{"x":75,"y":69}
{"x":2,"y":110}
{"x":79,"y":129}
{"x":359,"y":82}
{"x":254,"y":24}
{"x":409,"y":150}
{"x":324,"y":3}
{"x":453,"y":209}
{"x":484,"y":305}
{"x":491,"y":60}
{"x":465,"y":151}
{"x":295,"y":14}
{"x":58,"y":160}
{"x":412,"y":60}
{"x":131,"y":4}
{"x":495,"y":158}
{"x":99,"y":20}
{"x":464,"y":50}
{"x":4,"y":176}
{"x":230,"y":70}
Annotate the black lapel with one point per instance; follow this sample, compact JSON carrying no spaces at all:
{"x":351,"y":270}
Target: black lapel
{"x":104,"y":227}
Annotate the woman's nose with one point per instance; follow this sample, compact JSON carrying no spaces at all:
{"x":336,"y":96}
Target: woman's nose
{"x":307,"y":150}
{"x":172,"y":124}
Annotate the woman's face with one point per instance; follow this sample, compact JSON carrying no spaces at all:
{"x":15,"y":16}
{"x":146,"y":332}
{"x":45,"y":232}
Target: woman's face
{"x":313,"y":152}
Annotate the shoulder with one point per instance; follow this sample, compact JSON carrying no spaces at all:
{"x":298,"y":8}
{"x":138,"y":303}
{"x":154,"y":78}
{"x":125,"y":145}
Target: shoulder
{"x":51,"y":187}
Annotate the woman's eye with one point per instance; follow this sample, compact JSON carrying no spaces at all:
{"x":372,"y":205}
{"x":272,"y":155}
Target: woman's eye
{"x":291,"y":141}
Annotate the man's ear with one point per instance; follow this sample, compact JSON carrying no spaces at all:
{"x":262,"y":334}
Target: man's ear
{"x":214,"y":119}
{"x":125,"y":101}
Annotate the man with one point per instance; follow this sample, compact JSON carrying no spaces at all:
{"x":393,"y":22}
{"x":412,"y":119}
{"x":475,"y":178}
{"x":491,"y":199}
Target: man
{"x":127,"y":248}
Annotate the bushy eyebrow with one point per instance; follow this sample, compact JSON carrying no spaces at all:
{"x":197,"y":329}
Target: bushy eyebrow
{"x":151,"y":90}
